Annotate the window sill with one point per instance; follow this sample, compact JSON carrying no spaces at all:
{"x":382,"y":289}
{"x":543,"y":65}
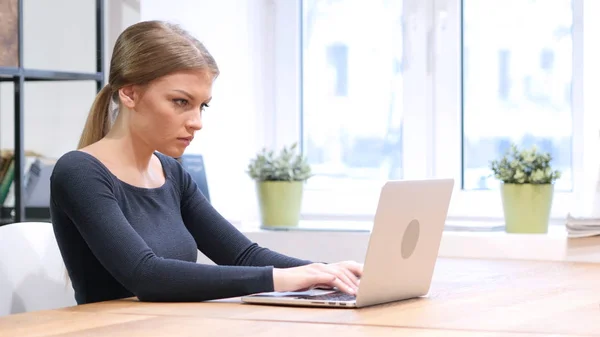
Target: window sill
{"x":343,"y":240}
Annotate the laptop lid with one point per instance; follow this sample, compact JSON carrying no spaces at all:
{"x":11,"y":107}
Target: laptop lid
{"x":404,"y":243}
{"x":402,"y":250}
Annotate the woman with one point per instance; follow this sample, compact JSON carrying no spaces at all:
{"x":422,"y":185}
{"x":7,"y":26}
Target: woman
{"x":128,"y":218}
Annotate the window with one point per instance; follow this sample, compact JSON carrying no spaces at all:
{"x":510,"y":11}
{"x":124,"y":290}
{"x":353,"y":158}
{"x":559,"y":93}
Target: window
{"x":337,"y":56}
{"x":532,"y":65}
{"x":437,"y":88}
{"x":352,"y":91}
{"x":503,"y":73}
{"x":515,"y":86}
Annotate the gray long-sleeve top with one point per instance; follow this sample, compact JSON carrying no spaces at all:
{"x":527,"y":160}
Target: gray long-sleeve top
{"x":118,"y":240}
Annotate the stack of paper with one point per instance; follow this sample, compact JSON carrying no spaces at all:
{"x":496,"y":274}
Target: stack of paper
{"x":579,"y":227}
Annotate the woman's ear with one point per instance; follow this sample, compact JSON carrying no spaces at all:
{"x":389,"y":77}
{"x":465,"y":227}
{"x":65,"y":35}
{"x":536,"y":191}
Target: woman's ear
{"x":127,"y":96}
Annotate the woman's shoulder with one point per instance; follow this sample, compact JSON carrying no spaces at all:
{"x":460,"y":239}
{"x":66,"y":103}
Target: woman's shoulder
{"x":77,"y":159}
{"x":76,"y":164}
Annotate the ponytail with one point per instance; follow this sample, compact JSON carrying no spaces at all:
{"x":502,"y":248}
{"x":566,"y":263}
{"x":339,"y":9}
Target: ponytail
{"x":98,"y":121}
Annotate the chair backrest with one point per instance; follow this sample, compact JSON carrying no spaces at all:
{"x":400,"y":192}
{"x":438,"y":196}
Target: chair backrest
{"x":32,"y":272}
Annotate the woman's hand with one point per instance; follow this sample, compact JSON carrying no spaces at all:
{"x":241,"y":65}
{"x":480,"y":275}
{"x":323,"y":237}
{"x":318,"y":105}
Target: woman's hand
{"x":342,"y":275}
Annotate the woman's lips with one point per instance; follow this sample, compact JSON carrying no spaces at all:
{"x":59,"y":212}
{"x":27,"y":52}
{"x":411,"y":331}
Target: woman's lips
{"x":186,"y":140}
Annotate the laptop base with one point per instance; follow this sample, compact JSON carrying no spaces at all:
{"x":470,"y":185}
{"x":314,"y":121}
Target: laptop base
{"x":310,"y":298}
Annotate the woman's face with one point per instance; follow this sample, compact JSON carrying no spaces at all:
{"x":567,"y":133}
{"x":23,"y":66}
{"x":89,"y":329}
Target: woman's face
{"x":166,"y":113}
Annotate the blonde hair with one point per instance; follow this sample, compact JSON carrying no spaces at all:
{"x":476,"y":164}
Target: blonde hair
{"x":143,"y":52}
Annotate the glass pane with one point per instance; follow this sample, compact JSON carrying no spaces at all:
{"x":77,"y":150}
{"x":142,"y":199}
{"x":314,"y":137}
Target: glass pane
{"x":517,"y":83}
{"x":352,"y":90}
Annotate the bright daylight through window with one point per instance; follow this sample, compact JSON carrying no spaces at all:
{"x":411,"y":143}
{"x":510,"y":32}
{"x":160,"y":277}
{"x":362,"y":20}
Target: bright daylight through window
{"x":413,"y":89}
{"x":352,"y":91}
{"x":516,"y":83}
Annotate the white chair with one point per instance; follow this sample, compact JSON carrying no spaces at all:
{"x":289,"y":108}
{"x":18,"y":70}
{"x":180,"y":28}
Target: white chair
{"x":32,"y":272}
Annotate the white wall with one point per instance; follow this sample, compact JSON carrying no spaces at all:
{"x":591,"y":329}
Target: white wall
{"x":60,"y":35}
{"x":58,"y":39}
{"x":238,"y":33}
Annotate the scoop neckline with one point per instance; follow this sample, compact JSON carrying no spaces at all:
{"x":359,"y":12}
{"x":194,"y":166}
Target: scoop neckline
{"x":128,"y":185}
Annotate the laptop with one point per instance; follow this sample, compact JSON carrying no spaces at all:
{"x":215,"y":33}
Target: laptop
{"x":401,"y":254}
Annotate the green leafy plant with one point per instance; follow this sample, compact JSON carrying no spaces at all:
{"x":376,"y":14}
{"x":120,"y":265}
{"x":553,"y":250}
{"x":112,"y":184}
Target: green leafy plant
{"x":287,"y":165}
{"x":524,"y":166}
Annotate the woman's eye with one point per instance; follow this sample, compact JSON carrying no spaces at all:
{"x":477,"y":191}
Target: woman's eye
{"x":181,"y":102}
{"x":203,"y":106}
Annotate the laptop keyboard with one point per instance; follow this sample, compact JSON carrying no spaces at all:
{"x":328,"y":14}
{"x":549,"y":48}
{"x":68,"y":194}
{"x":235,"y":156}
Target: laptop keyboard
{"x":332,"y":297}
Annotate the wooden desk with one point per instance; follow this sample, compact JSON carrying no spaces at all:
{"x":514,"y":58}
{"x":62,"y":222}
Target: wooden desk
{"x":73,"y":324}
{"x":481,"y":296}
{"x":56,"y":322}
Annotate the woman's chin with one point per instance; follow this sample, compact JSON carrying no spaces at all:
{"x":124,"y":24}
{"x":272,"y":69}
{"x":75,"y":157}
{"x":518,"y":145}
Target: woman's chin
{"x":172,"y":151}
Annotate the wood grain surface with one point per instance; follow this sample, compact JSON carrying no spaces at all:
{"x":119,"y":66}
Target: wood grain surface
{"x":507,"y":296}
{"x":191,"y":326}
{"x":53,"y":322}
{"x":469,"y":297}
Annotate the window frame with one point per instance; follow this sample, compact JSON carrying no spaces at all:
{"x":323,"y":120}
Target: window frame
{"x":434,"y":149}
{"x":448,"y":144}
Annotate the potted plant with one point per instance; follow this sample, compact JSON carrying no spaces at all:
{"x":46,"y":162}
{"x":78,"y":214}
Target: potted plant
{"x":279,"y":185}
{"x":527,"y":188}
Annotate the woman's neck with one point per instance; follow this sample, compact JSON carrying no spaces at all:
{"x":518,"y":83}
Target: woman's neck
{"x":128,"y":149}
